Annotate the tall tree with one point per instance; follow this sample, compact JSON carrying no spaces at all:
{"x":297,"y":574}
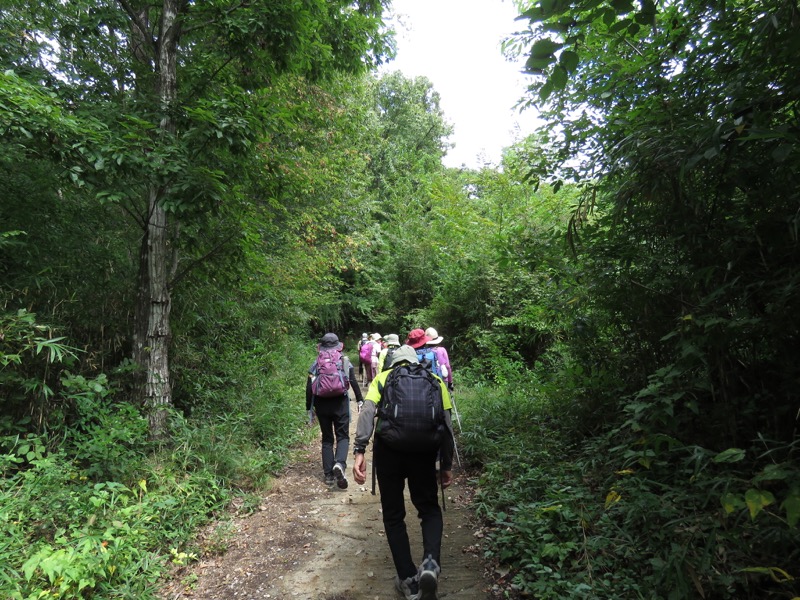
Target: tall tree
{"x":404,"y":164}
{"x":682,"y":120}
{"x":172,"y":80}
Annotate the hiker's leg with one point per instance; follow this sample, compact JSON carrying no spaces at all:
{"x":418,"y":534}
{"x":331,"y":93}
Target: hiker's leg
{"x":367,"y":379}
{"x":391,"y":482}
{"x":326,"y":427}
{"x":424,"y":491}
{"x":341,"y":426}
{"x":369,"y":372}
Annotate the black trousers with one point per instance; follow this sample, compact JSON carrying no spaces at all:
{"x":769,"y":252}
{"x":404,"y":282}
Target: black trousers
{"x":393,"y":468}
{"x":333,"y":415}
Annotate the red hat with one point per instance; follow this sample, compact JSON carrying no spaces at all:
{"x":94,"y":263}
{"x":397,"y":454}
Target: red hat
{"x":417,"y":338}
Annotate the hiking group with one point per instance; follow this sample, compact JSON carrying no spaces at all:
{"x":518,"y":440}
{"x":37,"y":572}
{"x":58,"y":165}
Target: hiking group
{"x":407,"y":406}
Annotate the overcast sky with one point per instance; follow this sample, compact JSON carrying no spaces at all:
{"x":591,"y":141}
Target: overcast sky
{"x":456,"y":44}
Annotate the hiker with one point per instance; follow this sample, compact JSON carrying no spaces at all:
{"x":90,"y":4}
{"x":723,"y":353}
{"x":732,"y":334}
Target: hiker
{"x":375,"y":351}
{"x":385,"y":357}
{"x":329,"y":379}
{"x":364,"y":339}
{"x":366,"y":353}
{"x":435,"y":341}
{"x":407,"y":450}
{"x":426,"y":353}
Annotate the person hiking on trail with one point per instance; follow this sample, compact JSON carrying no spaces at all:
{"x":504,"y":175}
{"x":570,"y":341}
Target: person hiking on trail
{"x":435,"y":341}
{"x":426,"y":353}
{"x":364,"y":339}
{"x":365,"y":354}
{"x":329,"y":379}
{"x":414,"y":428}
{"x":374,"y":351}
{"x":385,"y":357}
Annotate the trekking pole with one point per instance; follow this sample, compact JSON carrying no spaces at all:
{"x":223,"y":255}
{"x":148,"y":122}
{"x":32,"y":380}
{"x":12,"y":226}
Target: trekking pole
{"x":458,"y":420}
{"x":458,"y":458}
{"x":441,"y":485}
{"x":374,"y":477}
{"x":455,"y":410}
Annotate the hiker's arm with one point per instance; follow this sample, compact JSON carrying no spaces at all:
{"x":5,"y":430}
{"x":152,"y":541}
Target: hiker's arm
{"x":351,"y":373}
{"x":360,"y":469}
{"x":365,"y":425}
{"x":308,"y":393}
{"x":446,"y":360}
{"x":364,"y":429}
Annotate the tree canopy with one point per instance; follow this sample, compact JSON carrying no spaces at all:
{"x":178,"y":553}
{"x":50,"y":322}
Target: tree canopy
{"x":191,"y":193}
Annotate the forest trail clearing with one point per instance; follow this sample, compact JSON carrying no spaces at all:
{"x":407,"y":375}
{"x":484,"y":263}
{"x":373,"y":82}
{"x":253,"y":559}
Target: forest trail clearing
{"x":312,"y":542}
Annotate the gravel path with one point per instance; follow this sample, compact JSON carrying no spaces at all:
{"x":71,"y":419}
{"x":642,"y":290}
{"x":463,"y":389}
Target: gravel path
{"x":312,"y":542}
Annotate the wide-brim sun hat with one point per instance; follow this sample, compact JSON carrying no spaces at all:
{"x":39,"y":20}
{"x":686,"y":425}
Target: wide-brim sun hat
{"x":404,"y":354}
{"x":417,"y":338}
{"x":392,"y":340}
{"x":330,"y":340}
{"x":375,"y":337}
{"x":434,"y":336}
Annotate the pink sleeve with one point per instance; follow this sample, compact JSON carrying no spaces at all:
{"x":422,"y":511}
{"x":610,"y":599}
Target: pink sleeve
{"x":441,"y":356}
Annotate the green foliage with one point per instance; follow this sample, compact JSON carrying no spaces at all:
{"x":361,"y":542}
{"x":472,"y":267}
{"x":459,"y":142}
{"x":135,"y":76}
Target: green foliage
{"x":29,"y":366}
{"x":679,"y":342}
{"x":106,"y":438}
{"x":609,"y":519}
{"x":68,"y":537}
{"x":84,"y":505}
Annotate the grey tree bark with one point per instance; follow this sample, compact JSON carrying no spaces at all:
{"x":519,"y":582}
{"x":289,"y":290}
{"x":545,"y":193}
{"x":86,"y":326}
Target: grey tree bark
{"x":152,"y":330}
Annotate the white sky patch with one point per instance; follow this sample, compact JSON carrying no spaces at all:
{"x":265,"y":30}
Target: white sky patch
{"x":456,"y":44}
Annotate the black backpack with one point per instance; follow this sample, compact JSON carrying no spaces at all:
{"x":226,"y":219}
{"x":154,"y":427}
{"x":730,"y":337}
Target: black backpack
{"x":387,"y":360}
{"x":411,"y":412}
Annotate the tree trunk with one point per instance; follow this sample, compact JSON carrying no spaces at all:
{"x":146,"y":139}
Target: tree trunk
{"x":157,"y":388}
{"x":152,"y":331}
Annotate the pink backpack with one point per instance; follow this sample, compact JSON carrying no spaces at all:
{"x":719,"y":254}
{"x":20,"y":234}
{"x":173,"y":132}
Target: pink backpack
{"x":329,"y":379}
{"x":365,"y":354}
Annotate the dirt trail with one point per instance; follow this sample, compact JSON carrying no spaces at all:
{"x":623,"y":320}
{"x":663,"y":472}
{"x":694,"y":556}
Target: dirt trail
{"x":312,"y":542}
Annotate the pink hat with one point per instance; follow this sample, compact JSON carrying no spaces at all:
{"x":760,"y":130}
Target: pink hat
{"x":417,"y":338}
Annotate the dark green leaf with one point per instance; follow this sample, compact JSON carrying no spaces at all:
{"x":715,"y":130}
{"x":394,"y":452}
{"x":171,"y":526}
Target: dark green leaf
{"x":544,"y":48}
{"x":620,"y":25}
{"x":730,"y":455}
{"x":559,"y":78}
{"x":539,"y":64}
{"x":569,"y":60}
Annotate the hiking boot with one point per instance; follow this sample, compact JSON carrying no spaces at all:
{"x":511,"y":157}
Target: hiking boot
{"x":338,"y":474}
{"x":408,"y":587}
{"x":428,"y":579}
{"x":329,"y":479}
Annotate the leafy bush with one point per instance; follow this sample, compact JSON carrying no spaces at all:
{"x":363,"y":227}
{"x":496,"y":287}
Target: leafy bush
{"x":107,"y":439}
{"x":90,"y":506}
{"x":94,"y":538}
{"x":623,"y":518}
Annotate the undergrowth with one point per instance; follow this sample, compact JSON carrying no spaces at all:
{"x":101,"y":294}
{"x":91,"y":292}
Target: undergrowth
{"x":91,"y":508}
{"x":621,"y":516}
